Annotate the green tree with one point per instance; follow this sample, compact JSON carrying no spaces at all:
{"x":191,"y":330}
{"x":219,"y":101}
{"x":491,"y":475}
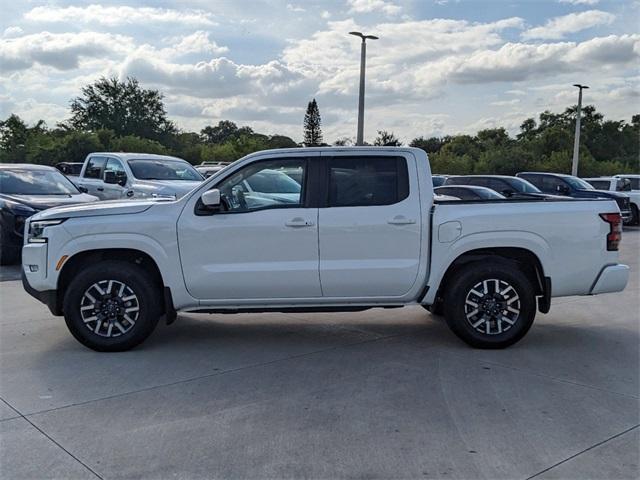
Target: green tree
{"x":123,"y":107}
{"x":312,"y":125}
{"x":386,"y":139}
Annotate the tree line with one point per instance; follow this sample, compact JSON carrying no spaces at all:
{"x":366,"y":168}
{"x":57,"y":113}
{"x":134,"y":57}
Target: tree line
{"x":115,"y":115}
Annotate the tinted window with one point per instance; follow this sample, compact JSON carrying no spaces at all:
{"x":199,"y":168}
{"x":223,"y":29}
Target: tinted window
{"x":461,"y":193}
{"x":550,"y":184}
{"x":600,"y":184}
{"x":95,"y":167}
{"x":163,"y":169}
{"x":35,"y":182}
{"x":267,"y":184}
{"x":363,"y":181}
{"x":579,"y":184}
{"x":635,"y":183}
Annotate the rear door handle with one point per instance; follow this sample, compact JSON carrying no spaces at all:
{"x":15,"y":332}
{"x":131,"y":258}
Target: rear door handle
{"x":401,"y":220}
{"x":299,"y":222}
{"x":100,"y":189}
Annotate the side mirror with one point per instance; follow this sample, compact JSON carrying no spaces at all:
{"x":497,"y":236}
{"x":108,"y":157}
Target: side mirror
{"x":507,"y":192}
{"x":211,"y":198}
{"x":110,"y":177}
{"x":83,"y":189}
{"x":562,"y":189}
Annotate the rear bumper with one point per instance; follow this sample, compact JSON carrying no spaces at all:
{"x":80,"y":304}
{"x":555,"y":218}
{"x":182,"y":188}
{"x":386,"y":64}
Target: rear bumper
{"x":626,"y":215}
{"x":612,"y":278}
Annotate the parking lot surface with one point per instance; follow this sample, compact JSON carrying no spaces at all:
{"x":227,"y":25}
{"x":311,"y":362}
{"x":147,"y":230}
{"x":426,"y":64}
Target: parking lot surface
{"x":376,"y":394}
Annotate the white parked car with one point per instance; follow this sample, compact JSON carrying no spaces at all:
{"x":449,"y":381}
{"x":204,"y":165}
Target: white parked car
{"x":112,"y":176}
{"x":361,"y":231}
{"x":628,"y":184}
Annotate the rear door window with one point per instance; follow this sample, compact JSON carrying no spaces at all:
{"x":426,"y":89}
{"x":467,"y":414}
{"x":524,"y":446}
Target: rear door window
{"x":367,"y":181}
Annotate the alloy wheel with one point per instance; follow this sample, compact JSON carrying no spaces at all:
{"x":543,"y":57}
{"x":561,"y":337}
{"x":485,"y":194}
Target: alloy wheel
{"x":492,"y":306}
{"x":109,"y":308}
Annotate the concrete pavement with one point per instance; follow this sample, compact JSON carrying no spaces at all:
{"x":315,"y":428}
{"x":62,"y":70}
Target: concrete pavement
{"x":376,"y":394}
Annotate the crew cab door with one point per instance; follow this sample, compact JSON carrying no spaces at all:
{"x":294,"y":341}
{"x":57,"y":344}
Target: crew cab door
{"x":114,"y":191}
{"x":370,"y":226}
{"x":263,"y":243}
{"x":91,"y":177}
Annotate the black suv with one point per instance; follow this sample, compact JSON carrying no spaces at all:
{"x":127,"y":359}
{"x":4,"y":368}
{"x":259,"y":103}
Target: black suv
{"x":574,"y":187}
{"x":511,"y":187}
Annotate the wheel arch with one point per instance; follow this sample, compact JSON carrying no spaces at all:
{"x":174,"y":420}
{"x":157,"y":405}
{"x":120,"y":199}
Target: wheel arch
{"x":526,"y":260}
{"x":73,"y":264}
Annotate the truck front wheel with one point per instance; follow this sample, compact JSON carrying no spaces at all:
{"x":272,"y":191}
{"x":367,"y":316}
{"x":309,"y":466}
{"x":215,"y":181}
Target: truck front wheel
{"x":112,"y":306}
{"x":490,"y":305}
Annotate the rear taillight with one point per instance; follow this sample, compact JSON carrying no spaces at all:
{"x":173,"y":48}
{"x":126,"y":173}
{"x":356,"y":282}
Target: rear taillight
{"x":615,"y":230}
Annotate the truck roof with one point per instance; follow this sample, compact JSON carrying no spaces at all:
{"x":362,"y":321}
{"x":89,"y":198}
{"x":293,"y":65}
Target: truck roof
{"x":25,"y":166}
{"x":130,"y":155}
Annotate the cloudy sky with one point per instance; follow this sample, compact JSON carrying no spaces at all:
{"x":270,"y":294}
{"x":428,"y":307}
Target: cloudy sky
{"x":440,"y":66}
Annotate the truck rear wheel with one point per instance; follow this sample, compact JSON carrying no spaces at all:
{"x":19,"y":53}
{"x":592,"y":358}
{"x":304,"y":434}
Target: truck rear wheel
{"x":112,"y":306}
{"x":490,"y":305}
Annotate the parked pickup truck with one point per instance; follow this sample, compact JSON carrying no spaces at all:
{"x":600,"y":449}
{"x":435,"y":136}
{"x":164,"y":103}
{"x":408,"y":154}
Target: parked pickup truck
{"x":627,"y":184}
{"x":112,"y":176}
{"x":360,"y":229}
{"x":574,"y":187}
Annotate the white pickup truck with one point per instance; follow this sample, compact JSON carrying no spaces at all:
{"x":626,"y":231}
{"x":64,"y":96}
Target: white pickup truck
{"x":319,"y":229}
{"x":117,"y":175}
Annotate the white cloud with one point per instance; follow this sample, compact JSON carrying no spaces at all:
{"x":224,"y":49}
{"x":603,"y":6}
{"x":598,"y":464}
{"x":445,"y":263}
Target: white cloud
{"x":119,"y":15}
{"x":559,"y":27}
{"x":62,"y":51}
{"x":519,"y":61}
{"x":580,"y":2}
{"x":368,"y":6}
{"x":295,"y":8}
{"x":12,"y":32}
{"x":217,"y":78}
{"x":506,"y":103}
{"x":197,"y":42}
{"x":325,"y":14}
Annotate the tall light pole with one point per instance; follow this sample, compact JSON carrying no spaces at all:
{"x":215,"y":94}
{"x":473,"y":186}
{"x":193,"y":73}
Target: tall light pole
{"x":363,"y":56}
{"x":576,"y":139}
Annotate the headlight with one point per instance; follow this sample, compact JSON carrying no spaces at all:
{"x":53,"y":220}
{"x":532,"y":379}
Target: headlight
{"x":37,"y":228}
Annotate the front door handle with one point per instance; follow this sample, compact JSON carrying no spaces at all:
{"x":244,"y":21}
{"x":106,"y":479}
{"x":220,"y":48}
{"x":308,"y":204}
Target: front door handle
{"x":100,"y":189}
{"x":401,"y":220}
{"x":298,"y":222}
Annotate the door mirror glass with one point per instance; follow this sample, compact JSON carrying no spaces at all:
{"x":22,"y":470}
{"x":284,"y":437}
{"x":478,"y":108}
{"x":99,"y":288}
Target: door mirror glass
{"x":211,"y":198}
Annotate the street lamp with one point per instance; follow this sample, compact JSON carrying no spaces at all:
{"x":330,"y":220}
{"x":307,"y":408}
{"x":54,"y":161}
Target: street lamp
{"x":363,"y":55}
{"x":576,"y":139}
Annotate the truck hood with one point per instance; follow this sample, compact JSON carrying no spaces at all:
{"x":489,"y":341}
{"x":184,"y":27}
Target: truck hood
{"x":604,"y":194}
{"x":115,"y":207}
{"x":167,"y":187}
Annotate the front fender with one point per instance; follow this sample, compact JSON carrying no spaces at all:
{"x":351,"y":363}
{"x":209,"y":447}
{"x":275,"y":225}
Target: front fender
{"x":444,"y":254}
{"x":165,"y":256}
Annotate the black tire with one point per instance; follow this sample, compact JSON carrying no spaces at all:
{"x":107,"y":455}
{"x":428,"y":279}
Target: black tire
{"x":635,"y":215}
{"x":117,"y":329}
{"x":492,"y":315}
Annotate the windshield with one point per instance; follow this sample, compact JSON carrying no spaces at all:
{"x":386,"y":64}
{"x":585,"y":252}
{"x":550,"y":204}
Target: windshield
{"x":35,"y":182}
{"x":523,"y":186}
{"x":578,"y":183}
{"x":165,"y":169}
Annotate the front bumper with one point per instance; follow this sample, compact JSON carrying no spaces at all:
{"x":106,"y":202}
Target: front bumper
{"x":612,"y":278}
{"x":48,"y":297}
